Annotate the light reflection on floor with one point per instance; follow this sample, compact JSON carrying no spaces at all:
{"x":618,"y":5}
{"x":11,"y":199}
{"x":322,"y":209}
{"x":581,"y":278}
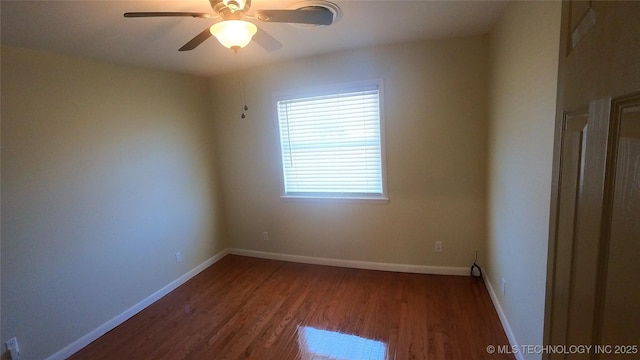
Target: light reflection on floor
{"x":316,"y":344}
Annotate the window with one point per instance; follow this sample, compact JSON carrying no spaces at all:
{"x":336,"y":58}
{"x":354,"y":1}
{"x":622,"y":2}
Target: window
{"x":331,"y":144}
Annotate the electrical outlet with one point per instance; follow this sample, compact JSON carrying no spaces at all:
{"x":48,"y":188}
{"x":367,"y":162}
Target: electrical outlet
{"x":438,"y":246}
{"x":12,"y":347}
{"x":178,"y":257}
{"x":265,"y":236}
{"x":504,"y":287}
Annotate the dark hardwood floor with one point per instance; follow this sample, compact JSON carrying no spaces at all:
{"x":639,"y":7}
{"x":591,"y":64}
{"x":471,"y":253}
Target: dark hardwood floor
{"x":248,"y":308}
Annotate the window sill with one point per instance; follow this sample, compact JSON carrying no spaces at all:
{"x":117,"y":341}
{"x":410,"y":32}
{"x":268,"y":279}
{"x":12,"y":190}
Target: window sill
{"x":364,"y":199}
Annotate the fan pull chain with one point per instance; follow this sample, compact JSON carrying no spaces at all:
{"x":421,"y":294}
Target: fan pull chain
{"x":243,"y":97}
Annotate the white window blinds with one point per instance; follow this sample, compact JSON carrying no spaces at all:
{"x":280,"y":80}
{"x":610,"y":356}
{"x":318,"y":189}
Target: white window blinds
{"x":331,"y":144}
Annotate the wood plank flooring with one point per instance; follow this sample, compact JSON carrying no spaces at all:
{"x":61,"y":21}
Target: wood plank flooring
{"x":248,"y":308}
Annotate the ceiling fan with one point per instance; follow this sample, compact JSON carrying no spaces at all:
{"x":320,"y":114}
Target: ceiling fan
{"x":234,"y":32}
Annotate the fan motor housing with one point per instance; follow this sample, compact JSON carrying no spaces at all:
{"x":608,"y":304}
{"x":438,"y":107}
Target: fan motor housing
{"x":229,"y":10}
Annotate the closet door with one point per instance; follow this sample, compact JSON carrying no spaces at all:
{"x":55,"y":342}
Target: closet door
{"x":620,"y":305}
{"x":573,"y":154}
{"x":593,"y":278}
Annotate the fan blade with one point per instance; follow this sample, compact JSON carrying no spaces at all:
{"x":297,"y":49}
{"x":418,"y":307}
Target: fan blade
{"x":199,"y":39}
{"x":267,"y":41}
{"x":311,"y":15}
{"x":165,"y":14}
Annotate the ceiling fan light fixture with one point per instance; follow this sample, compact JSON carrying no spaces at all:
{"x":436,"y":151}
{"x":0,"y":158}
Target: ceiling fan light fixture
{"x":233,"y":34}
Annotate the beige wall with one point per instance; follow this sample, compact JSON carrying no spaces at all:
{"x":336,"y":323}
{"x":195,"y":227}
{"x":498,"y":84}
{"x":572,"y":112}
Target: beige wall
{"x":435,"y":98}
{"x":107,"y":171}
{"x":524,"y":65}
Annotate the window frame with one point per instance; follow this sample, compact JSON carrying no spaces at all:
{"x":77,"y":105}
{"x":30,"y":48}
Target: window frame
{"x":329,"y":90}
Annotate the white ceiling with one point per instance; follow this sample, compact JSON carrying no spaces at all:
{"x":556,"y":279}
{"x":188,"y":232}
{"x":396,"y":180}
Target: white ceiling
{"x":97,"y":29}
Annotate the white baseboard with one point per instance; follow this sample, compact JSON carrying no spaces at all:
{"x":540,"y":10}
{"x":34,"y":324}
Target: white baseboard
{"x":503,"y":318}
{"x":367,"y":265}
{"x":111,"y":324}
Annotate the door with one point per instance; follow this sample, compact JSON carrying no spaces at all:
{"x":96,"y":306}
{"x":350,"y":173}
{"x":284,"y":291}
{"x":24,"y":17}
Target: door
{"x":593,"y":277}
